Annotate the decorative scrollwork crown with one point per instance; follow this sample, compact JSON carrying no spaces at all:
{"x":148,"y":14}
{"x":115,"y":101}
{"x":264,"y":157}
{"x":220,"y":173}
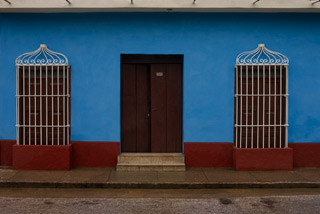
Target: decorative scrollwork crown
{"x":42,"y":56}
{"x":261,"y":56}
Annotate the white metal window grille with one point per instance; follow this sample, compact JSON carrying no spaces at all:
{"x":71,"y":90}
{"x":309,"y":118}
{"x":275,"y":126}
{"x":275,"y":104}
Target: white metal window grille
{"x":261,"y":99}
{"x":43,"y":98}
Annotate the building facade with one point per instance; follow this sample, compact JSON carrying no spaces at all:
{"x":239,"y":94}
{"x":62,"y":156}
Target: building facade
{"x":160,"y":81}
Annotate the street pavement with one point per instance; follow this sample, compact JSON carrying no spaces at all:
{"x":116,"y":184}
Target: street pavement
{"x":203,"y":190}
{"x":298,"y":204}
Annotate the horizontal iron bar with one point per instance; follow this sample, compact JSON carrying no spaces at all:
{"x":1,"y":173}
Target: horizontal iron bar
{"x":37,"y":95}
{"x":43,"y":126}
{"x":261,"y":95}
{"x":271,"y":125}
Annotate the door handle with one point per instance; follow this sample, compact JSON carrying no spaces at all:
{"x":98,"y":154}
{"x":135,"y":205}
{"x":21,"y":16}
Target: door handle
{"x":148,"y":114}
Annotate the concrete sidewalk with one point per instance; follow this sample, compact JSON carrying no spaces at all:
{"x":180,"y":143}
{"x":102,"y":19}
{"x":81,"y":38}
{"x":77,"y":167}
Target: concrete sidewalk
{"x":191,"y":178}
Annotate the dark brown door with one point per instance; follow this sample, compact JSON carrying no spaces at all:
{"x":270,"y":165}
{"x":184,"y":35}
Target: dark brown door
{"x":135,"y":124}
{"x":151,"y":107}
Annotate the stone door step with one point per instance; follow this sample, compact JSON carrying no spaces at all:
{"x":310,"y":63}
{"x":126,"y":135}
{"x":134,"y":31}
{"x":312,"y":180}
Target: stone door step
{"x":151,"y":162}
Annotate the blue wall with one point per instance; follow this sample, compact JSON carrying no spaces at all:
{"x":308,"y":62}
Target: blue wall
{"x":209,"y":42}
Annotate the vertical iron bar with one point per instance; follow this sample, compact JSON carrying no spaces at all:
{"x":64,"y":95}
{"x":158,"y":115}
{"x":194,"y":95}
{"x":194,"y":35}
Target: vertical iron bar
{"x":252,"y":107}
{"x":236,"y":127}
{"x":17,"y":105}
{"x":29,"y":143}
{"x":24,"y":105}
{"x":64,"y":106}
{"x":68,"y":100}
{"x":258,"y":95}
{"x":35,"y":104}
{"x":240,"y":143}
{"x":41,"y":143}
{"x":281,"y":97}
{"x":52,"y":108}
{"x":263,"y":111}
{"x":247,"y":106}
{"x":269,"y":106}
{"x":287,"y":94}
{"x":275,"y":108}
{"x":58,"y":109}
{"x":47,"y":123}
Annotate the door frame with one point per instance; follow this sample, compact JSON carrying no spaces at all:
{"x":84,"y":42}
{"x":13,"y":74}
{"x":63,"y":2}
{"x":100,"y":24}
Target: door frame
{"x":152,"y":59}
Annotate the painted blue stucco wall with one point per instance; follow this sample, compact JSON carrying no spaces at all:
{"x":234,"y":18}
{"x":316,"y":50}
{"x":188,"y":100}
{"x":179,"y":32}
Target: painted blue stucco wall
{"x":209,"y":42}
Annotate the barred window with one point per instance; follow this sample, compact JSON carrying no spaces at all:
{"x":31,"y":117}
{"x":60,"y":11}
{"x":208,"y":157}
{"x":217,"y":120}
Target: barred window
{"x":261,"y":99}
{"x":43,"y":98}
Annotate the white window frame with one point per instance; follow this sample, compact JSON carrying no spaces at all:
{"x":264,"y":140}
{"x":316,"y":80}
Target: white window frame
{"x":262,"y":60}
{"x":45,"y":61}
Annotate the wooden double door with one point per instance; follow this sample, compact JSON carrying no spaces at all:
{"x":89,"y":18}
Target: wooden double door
{"x":151,"y":103}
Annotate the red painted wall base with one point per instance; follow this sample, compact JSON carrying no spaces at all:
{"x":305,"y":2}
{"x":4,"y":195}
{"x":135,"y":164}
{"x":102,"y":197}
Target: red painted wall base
{"x":104,"y":154}
{"x":208,"y":154}
{"x":42,"y":157}
{"x":306,"y":154}
{"x":6,"y":152}
{"x":95,"y":154}
{"x":263,"y":159}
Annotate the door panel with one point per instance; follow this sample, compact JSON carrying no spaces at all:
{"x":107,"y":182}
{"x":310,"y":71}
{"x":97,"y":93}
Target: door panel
{"x":158,"y":108}
{"x":135,"y":124}
{"x":174,"y":108}
{"x":143,"y":108}
{"x":128,"y":108}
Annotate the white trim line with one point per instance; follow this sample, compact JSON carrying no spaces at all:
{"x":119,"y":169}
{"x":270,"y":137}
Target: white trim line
{"x":59,"y":6}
